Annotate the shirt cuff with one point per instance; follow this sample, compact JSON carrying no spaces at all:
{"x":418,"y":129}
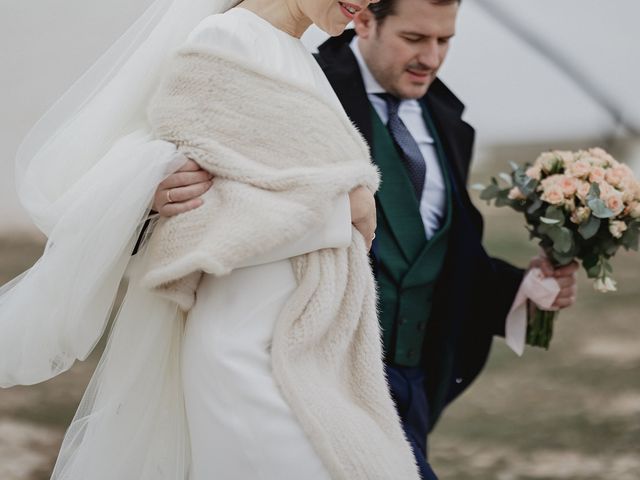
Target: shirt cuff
{"x":540,"y":290}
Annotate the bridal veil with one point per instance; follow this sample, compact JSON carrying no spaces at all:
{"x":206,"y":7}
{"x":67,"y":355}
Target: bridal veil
{"x":86,"y":174}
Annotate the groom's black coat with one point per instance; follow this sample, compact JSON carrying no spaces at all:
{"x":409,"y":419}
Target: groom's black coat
{"x":474,"y":291}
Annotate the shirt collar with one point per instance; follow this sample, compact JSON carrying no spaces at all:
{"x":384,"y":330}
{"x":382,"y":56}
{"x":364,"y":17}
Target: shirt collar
{"x":371,"y":85}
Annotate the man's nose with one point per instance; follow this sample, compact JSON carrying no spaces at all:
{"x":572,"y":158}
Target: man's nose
{"x":430,"y":54}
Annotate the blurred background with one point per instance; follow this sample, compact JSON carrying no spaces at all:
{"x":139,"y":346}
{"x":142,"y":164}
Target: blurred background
{"x":534,"y":76}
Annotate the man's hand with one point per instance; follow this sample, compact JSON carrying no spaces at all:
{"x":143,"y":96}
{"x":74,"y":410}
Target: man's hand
{"x":363,"y":213}
{"x":181,"y":191}
{"x":565,"y":276}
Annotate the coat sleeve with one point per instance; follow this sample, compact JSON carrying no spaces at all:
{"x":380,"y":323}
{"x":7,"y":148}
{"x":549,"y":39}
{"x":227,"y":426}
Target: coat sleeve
{"x":504,"y":282}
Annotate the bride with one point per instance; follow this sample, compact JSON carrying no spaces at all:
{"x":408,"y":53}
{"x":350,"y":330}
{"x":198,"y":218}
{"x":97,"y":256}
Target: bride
{"x":247,"y":345}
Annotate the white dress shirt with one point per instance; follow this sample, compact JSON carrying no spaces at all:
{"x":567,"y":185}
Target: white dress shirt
{"x":433,"y":202}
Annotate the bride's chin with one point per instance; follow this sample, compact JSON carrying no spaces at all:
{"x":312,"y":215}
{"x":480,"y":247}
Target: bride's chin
{"x":334,"y":29}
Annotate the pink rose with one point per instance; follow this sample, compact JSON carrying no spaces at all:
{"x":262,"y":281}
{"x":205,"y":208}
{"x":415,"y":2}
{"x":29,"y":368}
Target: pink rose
{"x":565,"y":156}
{"x":583,"y":190}
{"x":602,"y":155}
{"x":579,"y":169}
{"x":534,"y":172}
{"x":553,"y":195}
{"x":614,"y":203}
{"x":597,"y":174}
{"x":551,"y":181}
{"x":516,"y":194}
{"x":568,"y":184}
{"x":614,"y":176}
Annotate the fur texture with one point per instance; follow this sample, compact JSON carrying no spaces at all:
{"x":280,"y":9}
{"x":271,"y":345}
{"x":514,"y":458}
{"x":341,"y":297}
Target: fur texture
{"x":280,"y":154}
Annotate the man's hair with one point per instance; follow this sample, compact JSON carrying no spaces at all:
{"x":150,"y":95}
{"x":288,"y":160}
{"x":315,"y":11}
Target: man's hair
{"x":384,"y":8}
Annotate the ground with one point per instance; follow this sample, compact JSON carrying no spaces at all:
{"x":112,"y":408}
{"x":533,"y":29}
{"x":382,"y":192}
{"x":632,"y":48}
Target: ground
{"x":570,"y":413}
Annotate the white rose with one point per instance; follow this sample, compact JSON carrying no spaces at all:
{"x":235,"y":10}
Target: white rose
{"x":547,"y":161}
{"x":617,"y":228}
{"x":606,"y":284}
{"x":634,"y":210}
{"x":581,"y":214}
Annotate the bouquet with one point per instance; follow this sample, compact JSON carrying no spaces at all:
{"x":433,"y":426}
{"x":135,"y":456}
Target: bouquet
{"x":582,"y":206}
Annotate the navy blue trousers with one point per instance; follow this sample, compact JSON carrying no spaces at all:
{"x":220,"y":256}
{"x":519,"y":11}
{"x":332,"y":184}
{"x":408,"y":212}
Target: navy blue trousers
{"x":407,"y":390}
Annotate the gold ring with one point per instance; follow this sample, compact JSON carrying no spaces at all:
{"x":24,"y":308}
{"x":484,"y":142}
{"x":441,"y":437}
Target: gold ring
{"x":169,"y":196}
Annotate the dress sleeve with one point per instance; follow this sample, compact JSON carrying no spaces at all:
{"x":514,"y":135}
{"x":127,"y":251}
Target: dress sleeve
{"x":335,"y":233}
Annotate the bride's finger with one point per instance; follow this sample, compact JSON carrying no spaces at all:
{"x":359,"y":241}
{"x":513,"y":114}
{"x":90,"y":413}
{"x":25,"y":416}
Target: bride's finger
{"x":172,"y":209}
{"x":184,"y":194}
{"x":183,"y":179}
{"x":190,"y":166}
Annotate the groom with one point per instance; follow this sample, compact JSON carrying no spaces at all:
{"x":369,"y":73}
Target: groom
{"x":442,"y":298}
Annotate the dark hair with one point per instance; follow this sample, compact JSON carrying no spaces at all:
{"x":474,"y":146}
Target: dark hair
{"x":384,"y":8}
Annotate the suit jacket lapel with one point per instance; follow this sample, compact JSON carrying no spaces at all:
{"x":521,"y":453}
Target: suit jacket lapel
{"x":456,"y":135}
{"x":341,"y":68}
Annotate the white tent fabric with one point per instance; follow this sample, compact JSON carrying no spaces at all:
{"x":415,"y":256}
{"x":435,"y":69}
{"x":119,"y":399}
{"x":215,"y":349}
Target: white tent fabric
{"x":529,"y":72}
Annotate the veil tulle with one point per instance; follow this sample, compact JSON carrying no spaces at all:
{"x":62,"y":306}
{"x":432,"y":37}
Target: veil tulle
{"x":86,"y":174}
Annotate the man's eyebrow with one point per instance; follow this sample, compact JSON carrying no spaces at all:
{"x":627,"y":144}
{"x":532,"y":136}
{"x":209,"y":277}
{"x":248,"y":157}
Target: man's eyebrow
{"x":422,"y":35}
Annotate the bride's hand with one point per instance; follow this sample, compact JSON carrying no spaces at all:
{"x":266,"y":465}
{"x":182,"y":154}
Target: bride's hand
{"x":181,"y":191}
{"x":363,"y":213}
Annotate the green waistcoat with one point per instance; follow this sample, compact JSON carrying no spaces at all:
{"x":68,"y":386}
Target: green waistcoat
{"x":409,"y":265}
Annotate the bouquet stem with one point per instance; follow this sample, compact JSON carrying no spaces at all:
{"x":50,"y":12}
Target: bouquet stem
{"x":540,"y":327}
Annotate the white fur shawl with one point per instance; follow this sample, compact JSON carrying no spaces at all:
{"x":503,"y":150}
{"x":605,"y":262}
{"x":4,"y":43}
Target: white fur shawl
{"x":280,"y":155}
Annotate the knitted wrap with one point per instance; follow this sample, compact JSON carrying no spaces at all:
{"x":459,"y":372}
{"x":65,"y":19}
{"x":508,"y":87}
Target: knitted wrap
{"x":280,"y":155}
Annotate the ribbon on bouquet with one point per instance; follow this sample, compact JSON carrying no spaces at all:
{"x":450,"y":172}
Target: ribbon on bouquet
{"x":540,"y":290}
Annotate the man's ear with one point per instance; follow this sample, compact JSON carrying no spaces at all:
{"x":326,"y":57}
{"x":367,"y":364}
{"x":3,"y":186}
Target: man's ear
{"x":364,"y":23}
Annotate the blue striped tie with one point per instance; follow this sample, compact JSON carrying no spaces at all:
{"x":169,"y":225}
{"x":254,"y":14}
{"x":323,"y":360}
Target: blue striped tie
{"x":413,"y":159}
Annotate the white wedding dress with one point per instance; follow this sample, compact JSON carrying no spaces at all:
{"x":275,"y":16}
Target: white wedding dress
{"x":239,"y":424}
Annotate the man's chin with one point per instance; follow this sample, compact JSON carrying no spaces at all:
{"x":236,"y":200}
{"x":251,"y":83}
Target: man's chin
{"x":414,"y":91}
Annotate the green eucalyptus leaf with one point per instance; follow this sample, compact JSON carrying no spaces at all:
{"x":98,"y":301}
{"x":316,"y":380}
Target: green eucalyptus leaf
{"x":589,"y":228}
{"x":594,"y":192}
{"x":506,"y":178}
{"x":555,"y":213}
{"x":537,"y":203}
{"x":593,"y":271}
{"x":549,"y":221}
{"x":631,"y":238}
{"x":562,"y":239}
{"x":490,"y":192}
{"x":544,"y":228}
{"x":607,"y":266}
{"x":599,"y":209}
{"x":590,"y":260}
